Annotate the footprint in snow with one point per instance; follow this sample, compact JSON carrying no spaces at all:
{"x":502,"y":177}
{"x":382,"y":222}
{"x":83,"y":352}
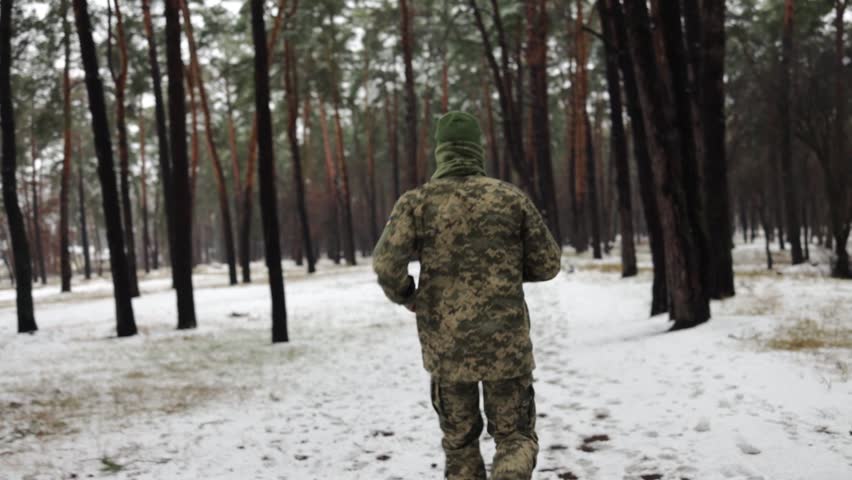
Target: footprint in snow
{"x":748,"y":448}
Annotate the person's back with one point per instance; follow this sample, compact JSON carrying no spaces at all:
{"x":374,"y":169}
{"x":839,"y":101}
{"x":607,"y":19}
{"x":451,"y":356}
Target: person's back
{"x":478,"y":239}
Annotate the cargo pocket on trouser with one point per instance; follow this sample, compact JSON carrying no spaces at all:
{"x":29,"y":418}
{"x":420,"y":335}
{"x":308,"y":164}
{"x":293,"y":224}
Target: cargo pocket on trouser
{"x":510,"y":406}
{"x":457,"y":406}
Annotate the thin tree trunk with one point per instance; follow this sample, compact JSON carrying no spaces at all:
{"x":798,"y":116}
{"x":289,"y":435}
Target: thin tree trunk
{"x":125,"y":322}
{"x":332,"y":194}
{"x":81,"y":200}
{"x":593,"y":196}
{"x":221,"y":186}
{"x":445,"y":81}
{"x":195,"y":150}
{"x":371,"y":180}
{"x":291,"y":88}
{"x":509,"y":108}
{"x":155,"y":254}
{"x":143,"y":190}
{"x":410,"y":96}
{"x":346,"y":197}
{"x":120,"y":81}
{"x":64,"y":254}
{"x":36,"y":195}
{"x":791,"y":194}
{"x":422,"y":142}
{"x":232,"y":145}
{"x":618,"y":141}
{"x":493,"y":149}
{"x":182,"y":254}
{"x":162,"y":134}
{"x":17,"y":229}
{"x":248,"y":186}
{"x":767,"y":231}
{"x":393,"y":141}
{"x":537,"y":33}
{"x":266,"y":174}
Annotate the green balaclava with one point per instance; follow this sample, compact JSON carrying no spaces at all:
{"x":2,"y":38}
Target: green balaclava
{"x":459,"y":150}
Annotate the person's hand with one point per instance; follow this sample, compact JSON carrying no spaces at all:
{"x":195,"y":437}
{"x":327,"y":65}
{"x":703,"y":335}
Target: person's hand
{"x":411,"y":307}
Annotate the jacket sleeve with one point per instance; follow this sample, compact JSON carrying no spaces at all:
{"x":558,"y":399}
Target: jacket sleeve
{"x":542,"y":255}
{"x":394,"y":250}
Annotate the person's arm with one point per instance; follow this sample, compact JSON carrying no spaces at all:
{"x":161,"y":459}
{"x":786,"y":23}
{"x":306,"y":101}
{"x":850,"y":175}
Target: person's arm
{"x":394,"y":250}
{"x":542,"y":255}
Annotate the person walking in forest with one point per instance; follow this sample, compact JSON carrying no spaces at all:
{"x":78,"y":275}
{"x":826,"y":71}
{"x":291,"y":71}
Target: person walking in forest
{"x":477,"y":239}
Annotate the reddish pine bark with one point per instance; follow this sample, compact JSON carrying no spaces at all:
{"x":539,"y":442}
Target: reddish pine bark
{"x":221,"y":186}
{"x":120,"y":81}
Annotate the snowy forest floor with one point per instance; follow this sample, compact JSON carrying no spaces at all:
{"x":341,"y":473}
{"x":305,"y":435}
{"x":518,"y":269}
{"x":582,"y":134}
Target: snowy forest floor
{"x":762,"y":391}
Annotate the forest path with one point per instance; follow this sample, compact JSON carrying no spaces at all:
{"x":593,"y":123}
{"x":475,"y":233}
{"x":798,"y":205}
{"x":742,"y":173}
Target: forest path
{"x":348,"y":398}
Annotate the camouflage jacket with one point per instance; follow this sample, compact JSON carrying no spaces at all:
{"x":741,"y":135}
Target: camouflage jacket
{"x":478,"y":239}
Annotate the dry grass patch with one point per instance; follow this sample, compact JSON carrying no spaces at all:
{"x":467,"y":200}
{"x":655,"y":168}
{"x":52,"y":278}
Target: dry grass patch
{"x":807,"y":334}
{"x":608,"y":267}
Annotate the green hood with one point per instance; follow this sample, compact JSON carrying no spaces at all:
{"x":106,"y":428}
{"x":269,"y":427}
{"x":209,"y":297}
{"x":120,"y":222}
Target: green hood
{"x":458,"y":159}
{"x":459,"y":151}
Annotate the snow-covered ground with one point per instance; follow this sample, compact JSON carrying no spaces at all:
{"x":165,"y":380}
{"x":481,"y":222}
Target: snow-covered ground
{"x":347,"y":398}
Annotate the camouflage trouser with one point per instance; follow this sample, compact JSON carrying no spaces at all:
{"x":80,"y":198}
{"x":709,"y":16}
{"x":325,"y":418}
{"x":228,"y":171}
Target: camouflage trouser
{"x":510,"y":409}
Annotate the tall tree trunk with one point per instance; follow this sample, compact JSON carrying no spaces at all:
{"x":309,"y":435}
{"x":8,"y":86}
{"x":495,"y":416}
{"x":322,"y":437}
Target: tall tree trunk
{"x":332,"y":193}
{"x":410,"y":96}
{"x":195,"y":150}
{"x":423,"y":141}
{"x":120,"y":81}
{"x":371,"y":180}
{"x":393,"y":141}
{"x":232,"y":146}
{"x":346,"y":197}
{"x":689,"y":123}
{"x":248,"y":186}
{"x":162,"y":134}
{"x":155,"y":253}
{"x":840,"y":201}
{"x":143,"y":190}
{"x":221,"y":186}
{"x":715,"y":168}
{"x":64,"y":254}
{"x":266,"y":174}
{"x":642,"y":156}
{"x":445,"y":81}
{"x":791,"y":194}
{"x":291,"y":88}
{"x":36,"y":195}
{"x":491,"y":137}
{"x":537,"y":32}
{"x":81,"y":200}
{"x":618,"y":141}
{"x":509,"y":107}
{"x":593,"y":198}
{"x":581,"y":149}
{"x":17,"y":229}
{"x":688,"y":302}
{"x":125,"y":322}
{"x":182,"y":255}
